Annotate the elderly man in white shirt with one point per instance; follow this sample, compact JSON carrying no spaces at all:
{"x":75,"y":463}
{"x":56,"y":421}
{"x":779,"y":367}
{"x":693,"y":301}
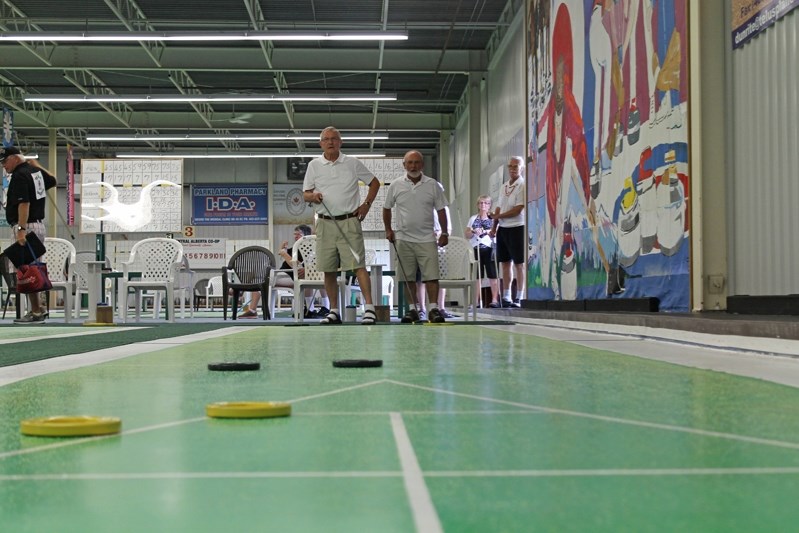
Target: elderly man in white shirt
{"x":331,"y":185}
{"x":415,"y":244}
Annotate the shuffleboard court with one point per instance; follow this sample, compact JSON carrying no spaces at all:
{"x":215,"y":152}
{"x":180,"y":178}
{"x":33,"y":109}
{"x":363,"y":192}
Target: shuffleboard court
{"x":461,"y":429}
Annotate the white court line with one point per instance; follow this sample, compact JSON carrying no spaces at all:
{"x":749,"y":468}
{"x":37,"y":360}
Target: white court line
{"x":165,"y":425}
{"x":728,"y":357}
{"x":424,"y":512}
{"x":621,"y":472}
{"x":200,"y":475}
{"x":612,"y":419}
{"x":736,"y":343}
{"x":422,"y":413}
{"x":604,"y":472}
{"x":336,"y":391}
{"x":80,"y":333}
{"x":71,"y":442}
{"x":14,"y":373}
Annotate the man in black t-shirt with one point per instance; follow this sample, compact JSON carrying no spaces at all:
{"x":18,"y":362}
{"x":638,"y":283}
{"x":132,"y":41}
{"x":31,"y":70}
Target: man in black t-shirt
{"x":25,"y":209}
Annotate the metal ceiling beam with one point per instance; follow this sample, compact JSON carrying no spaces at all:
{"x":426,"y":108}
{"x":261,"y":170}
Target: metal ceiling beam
{"x":221,"y":24}
{"x":381,"y":48}
{"x":191,"y":122}
{"x":134,"y":19}
{"x":258,"y":22}
{"x":37,"y":114}
{"x":89,"y":83}
{"x":185,"y":85}
{"x":250,"y":59}
{"x":13,"y":19}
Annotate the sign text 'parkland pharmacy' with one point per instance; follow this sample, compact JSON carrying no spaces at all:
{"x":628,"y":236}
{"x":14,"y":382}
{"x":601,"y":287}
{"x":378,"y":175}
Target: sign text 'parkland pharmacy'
{"x":222,"y":205}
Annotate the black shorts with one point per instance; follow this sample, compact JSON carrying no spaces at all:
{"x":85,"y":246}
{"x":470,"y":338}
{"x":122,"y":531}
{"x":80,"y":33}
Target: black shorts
{"x":488,"y":269}
{"x":511,"y":245}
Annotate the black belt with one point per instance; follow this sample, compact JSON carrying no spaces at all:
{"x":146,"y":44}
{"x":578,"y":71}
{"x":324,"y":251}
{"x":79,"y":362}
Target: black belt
{"x":338,"y":217}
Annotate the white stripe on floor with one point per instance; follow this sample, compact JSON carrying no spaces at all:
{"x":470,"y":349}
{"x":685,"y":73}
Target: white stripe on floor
{"x":424,"y":513}
{"x":603,"y":472}
{"x":14,"y":373}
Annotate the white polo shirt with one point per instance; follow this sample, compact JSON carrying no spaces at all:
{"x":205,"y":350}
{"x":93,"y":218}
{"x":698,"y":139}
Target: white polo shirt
{"x":509,"y":197}
{"x":415,"y":203}
{"x":338,"y":182}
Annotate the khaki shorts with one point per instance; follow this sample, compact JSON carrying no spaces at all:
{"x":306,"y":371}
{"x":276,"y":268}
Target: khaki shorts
{"x":421,"y":255}
{"x":332,"y":250}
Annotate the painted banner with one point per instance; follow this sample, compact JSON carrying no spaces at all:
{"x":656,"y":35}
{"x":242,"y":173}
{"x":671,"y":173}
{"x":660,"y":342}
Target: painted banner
{"x":205,"y":254}
{"x":608,"y":190}
{"x":751,"y":17}
{"x":8,"y":141}
{"x":8,"y":127}
{"x":227,"y":205}
{"x":70,"y":186}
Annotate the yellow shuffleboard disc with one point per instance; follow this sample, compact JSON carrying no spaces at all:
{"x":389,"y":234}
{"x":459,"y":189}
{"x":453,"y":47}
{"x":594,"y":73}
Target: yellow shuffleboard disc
{"x":247,"y":409}
{"x":70,"y":426}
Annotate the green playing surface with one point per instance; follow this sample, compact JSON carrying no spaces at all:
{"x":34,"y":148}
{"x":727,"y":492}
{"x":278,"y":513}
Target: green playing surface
{"x":464,"y":428}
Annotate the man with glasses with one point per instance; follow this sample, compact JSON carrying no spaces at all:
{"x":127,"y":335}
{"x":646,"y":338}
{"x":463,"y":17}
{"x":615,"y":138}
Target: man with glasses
{"x":417,"y":196}
{"x":25,"y":210}
{"x":511,"y":242}
{"x":331,"y":185}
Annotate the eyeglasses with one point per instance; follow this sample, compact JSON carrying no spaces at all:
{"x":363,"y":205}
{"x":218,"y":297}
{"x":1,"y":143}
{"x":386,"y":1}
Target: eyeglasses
{"x":331,"y":139}
{"x":484,"y":203}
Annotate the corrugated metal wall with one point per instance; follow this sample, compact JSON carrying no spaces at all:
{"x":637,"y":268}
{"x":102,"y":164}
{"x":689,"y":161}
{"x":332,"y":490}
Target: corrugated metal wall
{"x":764,"y":207}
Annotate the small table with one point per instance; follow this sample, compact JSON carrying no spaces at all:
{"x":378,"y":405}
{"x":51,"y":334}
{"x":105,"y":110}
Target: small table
{"x":94,"y":281}
{"x":399,"y":287}
{"x":114,"y":275}
{"x":376,"y":273}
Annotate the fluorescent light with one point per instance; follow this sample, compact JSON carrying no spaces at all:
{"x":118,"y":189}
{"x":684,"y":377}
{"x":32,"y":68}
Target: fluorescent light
{"x":229,"y":155}
{"x":241,"y":138}
{"x":218,"y":98}
{"x":147,"y":36}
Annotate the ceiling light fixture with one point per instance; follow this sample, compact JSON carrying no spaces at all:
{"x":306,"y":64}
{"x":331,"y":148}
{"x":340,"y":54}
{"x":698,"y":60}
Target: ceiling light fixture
{"x":241,"y":138}
{"x":228,"y":155}
{"x":212,"y":98}
{"x":217,"y":36}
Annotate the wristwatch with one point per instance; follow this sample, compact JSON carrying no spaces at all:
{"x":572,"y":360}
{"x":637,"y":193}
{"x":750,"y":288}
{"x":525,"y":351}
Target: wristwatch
{"x":19,"y":228}
{"x":444,"y":234}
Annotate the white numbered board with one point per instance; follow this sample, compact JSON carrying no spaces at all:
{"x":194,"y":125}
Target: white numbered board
{"x":386,"y":170}
{"x":131,"y":196}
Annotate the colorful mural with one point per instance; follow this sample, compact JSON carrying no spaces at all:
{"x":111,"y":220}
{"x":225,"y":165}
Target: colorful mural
{"x":607,"y":173}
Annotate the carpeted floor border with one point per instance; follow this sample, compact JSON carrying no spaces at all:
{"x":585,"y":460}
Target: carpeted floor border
{"x":46,"y":348}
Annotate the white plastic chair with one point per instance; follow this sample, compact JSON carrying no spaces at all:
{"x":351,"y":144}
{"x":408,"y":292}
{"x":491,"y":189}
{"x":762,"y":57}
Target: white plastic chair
{"x":280,"y":284}
{"x":159,"y":261}
{"x":458,"y":270}
{"x":351,"y":285}
{"x":60,"y":259}
{"x":313,"y":278}
{"x":213,"y":290}
{"x":185,"y":288}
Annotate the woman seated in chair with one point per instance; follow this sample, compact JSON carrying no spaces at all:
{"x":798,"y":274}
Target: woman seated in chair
{"x":286,"y":280}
